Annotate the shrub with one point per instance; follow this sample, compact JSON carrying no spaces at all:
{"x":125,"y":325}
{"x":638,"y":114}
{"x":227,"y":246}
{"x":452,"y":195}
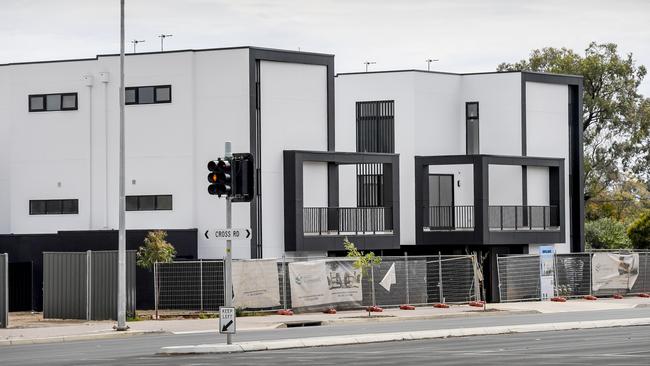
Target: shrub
{"x":639,"y":231}
{"x":155,"y":249}
{"x":606,"y":233}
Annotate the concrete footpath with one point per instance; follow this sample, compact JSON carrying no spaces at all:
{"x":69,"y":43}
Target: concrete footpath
{"x":52,"y":332}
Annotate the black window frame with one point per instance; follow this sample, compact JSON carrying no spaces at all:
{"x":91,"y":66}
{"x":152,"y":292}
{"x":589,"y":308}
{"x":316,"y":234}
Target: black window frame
{"x":44,"y":97}
{"x":61,"y":205}
{"x":155,"y":94}
{"x":156,"y":204}
{"x":469,"y":119}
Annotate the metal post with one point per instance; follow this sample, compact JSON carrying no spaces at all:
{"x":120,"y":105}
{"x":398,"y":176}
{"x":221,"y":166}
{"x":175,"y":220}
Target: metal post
{"x":88,"y":283}
{"x":228,"y":263}
{"x":372,"y":279}
{"x":646,"y":270}
{"x":477,"y":287}
{"x":590,"y":276}
{"x":440,"y":292}
{"x":121,"y":252}
{"x":156,"y":288}
{"x":284,"y":282}
{"x":201,"y":281}
{"x":406,"y":267}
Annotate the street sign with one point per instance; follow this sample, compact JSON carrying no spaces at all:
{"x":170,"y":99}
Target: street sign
{"x":226,"y":320}
{"x":228,"y":234}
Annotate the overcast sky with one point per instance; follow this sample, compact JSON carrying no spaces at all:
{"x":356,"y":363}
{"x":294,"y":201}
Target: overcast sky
{"x":465,"y":35}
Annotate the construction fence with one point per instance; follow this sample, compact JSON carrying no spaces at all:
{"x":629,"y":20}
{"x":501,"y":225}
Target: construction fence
{"x":573,"y":275}
{"x":316,"y":283}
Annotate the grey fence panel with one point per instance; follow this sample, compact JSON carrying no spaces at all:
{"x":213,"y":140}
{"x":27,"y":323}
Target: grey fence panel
{"x":190,"y":285}
{"x":573,"y":274}
{"x":64,"y":285}
{"x":103,"y":289}
{"x":642,"y":284}
{"x":4,"y":290}
{"x":519,"y":277}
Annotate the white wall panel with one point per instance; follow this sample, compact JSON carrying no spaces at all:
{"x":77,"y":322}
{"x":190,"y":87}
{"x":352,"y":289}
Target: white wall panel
{"x":314,"y":184}
{"x":505,"y":185}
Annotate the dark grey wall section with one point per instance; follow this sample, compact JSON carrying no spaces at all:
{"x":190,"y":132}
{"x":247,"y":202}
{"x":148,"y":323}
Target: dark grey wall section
{"x":4,"y":291}
{"x":64,"y":286}
{"x":103,"y":289}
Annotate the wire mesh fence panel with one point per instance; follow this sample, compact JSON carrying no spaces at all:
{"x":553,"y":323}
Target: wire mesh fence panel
{"x":629,"y":275}
{"x":642,"y":283}
{"x":194,"y":286}
{"x":458,"y":285}
{"x":573,"y":274}
{"x":519,"y":277}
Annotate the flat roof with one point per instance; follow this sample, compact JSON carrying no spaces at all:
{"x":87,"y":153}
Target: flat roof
{"x":456,"y":73}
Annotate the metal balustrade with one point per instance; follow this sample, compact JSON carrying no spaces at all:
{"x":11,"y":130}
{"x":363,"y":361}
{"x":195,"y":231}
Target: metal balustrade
{"x":509,"y":217}
{"x":347,"y":220}
{"x":449,"y":218}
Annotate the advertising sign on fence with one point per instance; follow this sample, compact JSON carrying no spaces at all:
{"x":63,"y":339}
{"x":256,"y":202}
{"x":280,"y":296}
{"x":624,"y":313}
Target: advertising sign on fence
{"x":547,"y":272}
{"x":324,"y":282}
{"x":614,"y":271}
{"x":255,"y":284}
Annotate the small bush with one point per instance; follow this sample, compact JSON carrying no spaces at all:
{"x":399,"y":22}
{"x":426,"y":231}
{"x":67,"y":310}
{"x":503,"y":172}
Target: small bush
{"x":155,"y":249}
{"x":606,"y":233}
{"x":639,"y":232}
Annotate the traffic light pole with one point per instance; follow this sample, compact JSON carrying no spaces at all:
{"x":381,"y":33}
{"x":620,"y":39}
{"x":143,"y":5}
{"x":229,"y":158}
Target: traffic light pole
{"x":228,"y":263}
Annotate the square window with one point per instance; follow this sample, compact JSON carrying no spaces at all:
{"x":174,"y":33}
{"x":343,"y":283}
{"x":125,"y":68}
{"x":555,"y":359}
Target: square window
{"x":36,"y":103}
{"x":164,"y":202}
{"x":37,"y":207}
{"x":53,"y":207}
{"x":163,"y":94}
{"x":69,"y":101}
{"x":130,"y":96}
{"x":147,"y":203}
{"x":69,"y":206}
{"x":132,"y":203}
{"x":53,"y":102}
{"x":145,"y":95}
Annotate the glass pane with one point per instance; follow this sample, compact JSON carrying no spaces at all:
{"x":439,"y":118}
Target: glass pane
{"x":472,"y":137}
{"x":147,"y":203}
{"x":145,"y":95}
{"x":131,"y":203}
{"x":472,"y":110}
{"x":434,"y":190}
{"x":53,"y":207}
{"x":53,"y":102}
{"x":164,"y":202}
{"x":446,"y":190}
{"x":129,"y":96}
{"x":70,"y":206}
{"x":37,"y":207}
{"x":163,"y":94}
{"x":69,"y":101}
{"x":36,"y":103}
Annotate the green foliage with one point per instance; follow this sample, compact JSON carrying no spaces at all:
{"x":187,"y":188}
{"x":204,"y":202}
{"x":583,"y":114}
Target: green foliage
{"x":623,"y":202}
{"x":363,"y":261}
{"x":616,"y":117}
{"x":606,"y":233}
{"x":155,"y":249}
{"x":639,"y":231}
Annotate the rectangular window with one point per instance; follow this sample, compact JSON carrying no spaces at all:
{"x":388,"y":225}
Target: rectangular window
{"x":375,"y":133}
{"x":472,"y":128}
{"x":53,"y":102}
{"x":149,"y":203}
{"x":148,"y":94}
{"x":54,"y":207}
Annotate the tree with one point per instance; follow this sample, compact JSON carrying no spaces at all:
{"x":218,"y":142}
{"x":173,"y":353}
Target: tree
{"x":623,"y":202}
{"x":639,"y":231}
{"x":616,"y":117}
{"x":606,"y":233}
{"x":363,"y":261}
{"x":155,"y":249}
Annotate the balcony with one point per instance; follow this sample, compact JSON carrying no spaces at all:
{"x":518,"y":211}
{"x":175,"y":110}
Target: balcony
{"x":487,"y":199}
{"x":315,"y":183}
{"x":501,"y":218}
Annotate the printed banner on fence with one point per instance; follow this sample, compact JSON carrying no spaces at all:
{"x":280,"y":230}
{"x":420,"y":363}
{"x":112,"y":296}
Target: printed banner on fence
{"x":255,"y":283}
{"x":614,"y":271}
{"x":547,"y":271}
{"x":324,"y":282}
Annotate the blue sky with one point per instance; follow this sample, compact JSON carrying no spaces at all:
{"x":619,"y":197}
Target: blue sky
{"x":465,"y":35}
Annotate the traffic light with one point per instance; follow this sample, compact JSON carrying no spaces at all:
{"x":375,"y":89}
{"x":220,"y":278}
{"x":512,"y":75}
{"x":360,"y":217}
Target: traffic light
{"x":220,"y":178}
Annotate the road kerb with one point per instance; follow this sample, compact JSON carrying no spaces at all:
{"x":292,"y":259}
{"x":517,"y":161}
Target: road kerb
{"x":390,"y":337}
{"x":72,"y":338}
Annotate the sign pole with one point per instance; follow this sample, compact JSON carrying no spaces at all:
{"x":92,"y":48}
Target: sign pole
{"x":228,"y":264}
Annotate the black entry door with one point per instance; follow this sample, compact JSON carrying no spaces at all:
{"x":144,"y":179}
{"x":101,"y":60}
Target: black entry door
{"x":20,"y":286}
{"x":441,"y":201}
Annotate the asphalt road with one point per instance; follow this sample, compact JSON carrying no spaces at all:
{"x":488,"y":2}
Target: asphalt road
{"x":140,"y":350}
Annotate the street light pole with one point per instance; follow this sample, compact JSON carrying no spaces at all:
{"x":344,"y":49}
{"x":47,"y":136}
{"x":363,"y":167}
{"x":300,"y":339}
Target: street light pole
{"x":121,"y":249}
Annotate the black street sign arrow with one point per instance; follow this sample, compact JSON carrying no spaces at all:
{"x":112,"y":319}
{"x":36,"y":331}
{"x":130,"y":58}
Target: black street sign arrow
{"x":206,"y":234}
{"x":248,"y":233}
{"x":225,"y":327}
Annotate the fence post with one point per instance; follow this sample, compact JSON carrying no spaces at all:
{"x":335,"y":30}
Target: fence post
{"x":155,"y":288}
{"x":284,"y":282}
{"x":477,"y":289}
{"x":646,"y":270}
{"x":498,"y":277}
{"x":406,"y":266}
{"x":201,"y":281}
{"x":590,"y":275}
{"x":441,"y":293}
{"x":88,"y":283}
{"x":372,"y":280}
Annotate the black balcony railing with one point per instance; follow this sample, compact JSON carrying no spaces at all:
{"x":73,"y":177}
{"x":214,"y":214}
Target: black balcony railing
{"x":448,"y":218}
{"x":347,"y":220}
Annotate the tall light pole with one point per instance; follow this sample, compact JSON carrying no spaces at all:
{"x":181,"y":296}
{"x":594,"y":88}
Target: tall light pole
{"x":429,"y":61}
{"x":369,"y":63}
{"x":121,"y":246}
{"x":135,"y":43}
{"x":162,"y":40}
